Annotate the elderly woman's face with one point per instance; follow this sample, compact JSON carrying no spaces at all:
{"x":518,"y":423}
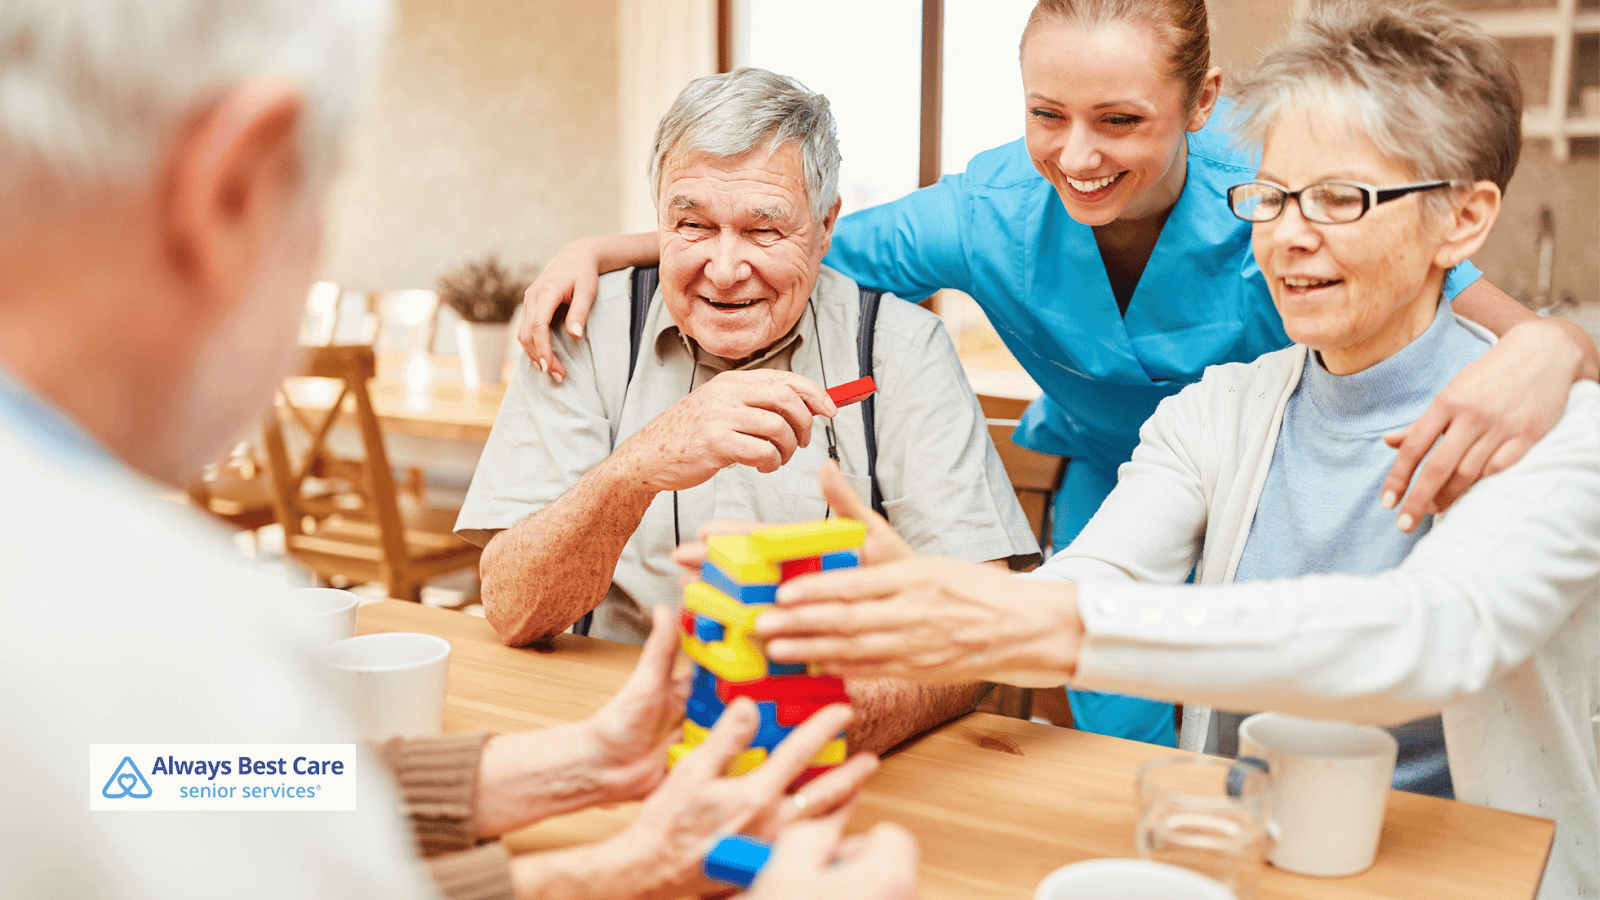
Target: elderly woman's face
{"x":1105,"y":122}
{"x":740,"y":251}
{"x":1356,"y":292}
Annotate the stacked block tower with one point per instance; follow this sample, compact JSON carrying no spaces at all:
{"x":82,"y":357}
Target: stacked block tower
{"x":740,"y":576}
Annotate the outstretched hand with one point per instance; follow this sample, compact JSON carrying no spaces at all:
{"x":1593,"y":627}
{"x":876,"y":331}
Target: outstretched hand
{"x":811,"y":860}
{"x":678,"y":823}
{"x":633,"y":730}
{"x":882,"y":545}
{"x":932,"y":620}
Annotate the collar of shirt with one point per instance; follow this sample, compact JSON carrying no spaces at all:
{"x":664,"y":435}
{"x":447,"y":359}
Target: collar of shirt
{"x":665,"y":330}
{"x":47,"y":428}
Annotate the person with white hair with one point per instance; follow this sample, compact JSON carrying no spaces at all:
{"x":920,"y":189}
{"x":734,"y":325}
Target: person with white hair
{"x":694,"y":401}
{"x":162,"y":165}
{"x":1390,"y":132}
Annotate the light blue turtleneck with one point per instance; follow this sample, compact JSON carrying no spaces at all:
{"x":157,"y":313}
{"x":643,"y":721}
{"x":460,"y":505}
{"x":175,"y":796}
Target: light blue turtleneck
{"x":1320,"y":512}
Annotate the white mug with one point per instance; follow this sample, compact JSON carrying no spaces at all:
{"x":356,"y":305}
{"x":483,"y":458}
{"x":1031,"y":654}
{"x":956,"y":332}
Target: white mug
{"x":1128,"y":879}
{"x":322,"y":615}
{"x":394,"y":682}
{"x":1332,"y":782}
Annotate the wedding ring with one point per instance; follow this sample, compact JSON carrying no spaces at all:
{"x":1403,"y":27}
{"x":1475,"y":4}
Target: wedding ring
{"x":801,"y":804}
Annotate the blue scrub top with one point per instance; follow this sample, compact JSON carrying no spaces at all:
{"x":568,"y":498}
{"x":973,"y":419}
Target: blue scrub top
{"x":998,"y":232}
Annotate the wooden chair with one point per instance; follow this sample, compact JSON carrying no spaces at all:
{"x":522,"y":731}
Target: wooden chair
{"x":237,"y":491}
{"x":362,"y":534}
{"x":1035,"y":476}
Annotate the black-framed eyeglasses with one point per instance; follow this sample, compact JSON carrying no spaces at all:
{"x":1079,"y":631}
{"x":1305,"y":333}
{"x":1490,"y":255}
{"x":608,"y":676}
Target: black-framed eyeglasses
{"x":1326,"y":202}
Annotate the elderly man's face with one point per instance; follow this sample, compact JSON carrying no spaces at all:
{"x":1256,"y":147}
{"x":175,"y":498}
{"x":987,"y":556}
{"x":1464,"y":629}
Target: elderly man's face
{"x":740,"y":250}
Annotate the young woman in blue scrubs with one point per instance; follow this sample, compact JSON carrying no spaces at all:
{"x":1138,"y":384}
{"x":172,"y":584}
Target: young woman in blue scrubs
{"x":1101,"y":248}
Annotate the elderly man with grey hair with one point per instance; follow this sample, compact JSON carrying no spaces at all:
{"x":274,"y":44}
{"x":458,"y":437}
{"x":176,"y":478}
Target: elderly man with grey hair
{"x":587,"y":486}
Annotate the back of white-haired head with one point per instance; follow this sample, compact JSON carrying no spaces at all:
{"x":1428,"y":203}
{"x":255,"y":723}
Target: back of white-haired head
{"x":1427,"y":85}
{"x":91,"y":90}
{"x":728,"y":115}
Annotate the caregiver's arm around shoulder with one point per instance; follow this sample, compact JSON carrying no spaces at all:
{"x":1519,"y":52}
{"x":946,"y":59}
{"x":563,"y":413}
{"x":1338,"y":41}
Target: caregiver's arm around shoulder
{"x":1493,"y":410}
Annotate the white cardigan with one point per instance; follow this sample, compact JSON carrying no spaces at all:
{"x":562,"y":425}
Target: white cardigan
{"x":1492,"y":620}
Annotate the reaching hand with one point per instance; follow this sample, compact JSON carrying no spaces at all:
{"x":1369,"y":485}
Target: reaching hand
{"x":810,"y":860}
{"x":754,"y":417}
{"x":882,"y":545}
{"x":679,"y":822}
{"x":632,"y":731}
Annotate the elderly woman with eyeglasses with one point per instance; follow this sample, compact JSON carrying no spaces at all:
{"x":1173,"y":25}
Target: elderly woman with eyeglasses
{"x":1388,"y":138}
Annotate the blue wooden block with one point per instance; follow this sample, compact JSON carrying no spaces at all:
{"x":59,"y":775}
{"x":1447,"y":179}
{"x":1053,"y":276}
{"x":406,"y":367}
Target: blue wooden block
{"x":736,"y":859}
{"x":774,"y":668}
{"x":708,"y":630}
{"x":843,"y":559}
{"x":770,"y":734}
{"x":748,"y":594}
{"x":704,"y":706}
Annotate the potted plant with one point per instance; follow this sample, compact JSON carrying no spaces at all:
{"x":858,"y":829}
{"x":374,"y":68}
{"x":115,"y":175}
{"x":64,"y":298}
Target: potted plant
{"x":485,"y":294}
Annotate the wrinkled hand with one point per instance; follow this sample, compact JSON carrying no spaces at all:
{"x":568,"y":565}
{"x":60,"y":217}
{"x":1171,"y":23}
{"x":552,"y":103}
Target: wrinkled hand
{"x":930,"y":620}
{"x":810,"y":861}
{"x":677,"y":824}
{"x":1484,"y":420}
{"x":571,"y":278}
{"x":754,"y":417}
{"x":882,"y":544}
{"x":632,"y":731}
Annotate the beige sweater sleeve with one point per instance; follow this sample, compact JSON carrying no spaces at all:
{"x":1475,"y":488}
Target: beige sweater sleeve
{"x":438,"y":778}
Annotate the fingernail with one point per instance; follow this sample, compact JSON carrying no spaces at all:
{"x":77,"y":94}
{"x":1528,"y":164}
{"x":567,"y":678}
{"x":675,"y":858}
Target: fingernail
{"x":1389,"y":500}
{"x":576,"y":330}
{"x":559,"y":377}
{"x":544,"y":367}
{"x":1405,"y":522}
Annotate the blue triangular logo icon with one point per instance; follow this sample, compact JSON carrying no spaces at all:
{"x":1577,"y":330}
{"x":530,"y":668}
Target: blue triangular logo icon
{"x":126,"y":781}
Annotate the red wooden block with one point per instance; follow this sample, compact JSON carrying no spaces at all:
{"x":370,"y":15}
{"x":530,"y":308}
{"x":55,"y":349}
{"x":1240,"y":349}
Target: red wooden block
{"x":851,"y":391}
{"x":686,"y":620}
{"x":794,"y":568}
{"x":787,"y":690}
{"x":805,"y":776}
{"x":792,"y":714}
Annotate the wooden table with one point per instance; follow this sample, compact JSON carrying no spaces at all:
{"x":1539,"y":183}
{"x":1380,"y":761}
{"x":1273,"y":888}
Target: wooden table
{"x":996,"y":803}
{"x":421,"y":396}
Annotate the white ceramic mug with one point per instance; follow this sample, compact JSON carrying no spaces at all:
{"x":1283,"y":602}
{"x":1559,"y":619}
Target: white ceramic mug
{"x":394,"y":682}
{"x":1128,"y":879}
{"x":1332,"y":781}
{"x":323,"y":615}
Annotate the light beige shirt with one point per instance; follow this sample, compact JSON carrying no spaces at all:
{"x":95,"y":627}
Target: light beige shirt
{"x":943,"y":485}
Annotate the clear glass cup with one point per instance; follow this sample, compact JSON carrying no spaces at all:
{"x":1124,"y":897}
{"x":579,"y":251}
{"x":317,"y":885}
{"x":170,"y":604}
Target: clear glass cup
{"x":1208,"y":814}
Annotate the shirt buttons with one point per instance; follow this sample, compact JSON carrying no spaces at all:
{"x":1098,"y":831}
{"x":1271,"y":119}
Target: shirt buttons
{"x":1194,"y":616}
{"x":1108,"y":607}
{"x":1151,"y":615}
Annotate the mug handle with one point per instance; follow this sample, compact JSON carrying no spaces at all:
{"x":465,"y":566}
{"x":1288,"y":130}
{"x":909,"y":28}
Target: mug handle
{"x":1236,"y":776}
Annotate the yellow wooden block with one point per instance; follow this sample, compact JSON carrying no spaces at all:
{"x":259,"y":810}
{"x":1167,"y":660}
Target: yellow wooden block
{"x":735,"y":658}
{"x":714,"y":604}
{"x":831,"y":754}
{"x":747,"y":760}
{"x":677,"y":752}
{"x":736,"y":554}
{"x":693,"y":734}
{"x":803,"y":539}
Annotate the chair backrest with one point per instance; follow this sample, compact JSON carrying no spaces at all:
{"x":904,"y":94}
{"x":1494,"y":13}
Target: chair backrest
{"x":353,"y":367}
{"x":1035,"y":476}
